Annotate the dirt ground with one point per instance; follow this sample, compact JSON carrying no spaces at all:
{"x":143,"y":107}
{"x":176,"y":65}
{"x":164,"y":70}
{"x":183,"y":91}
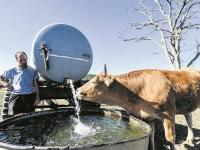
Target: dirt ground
{"x":181,"y":133}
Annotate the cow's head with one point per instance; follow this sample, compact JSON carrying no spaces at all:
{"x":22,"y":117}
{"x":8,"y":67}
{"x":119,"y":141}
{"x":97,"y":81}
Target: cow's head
{"x":97,"y":88}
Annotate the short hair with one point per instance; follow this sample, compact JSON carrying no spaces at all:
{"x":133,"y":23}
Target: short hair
{"x":20,"y":52}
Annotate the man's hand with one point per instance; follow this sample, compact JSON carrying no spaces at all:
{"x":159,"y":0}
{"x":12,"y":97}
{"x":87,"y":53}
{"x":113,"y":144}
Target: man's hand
{"x":9,"y":86}
{"x":37,"y":101}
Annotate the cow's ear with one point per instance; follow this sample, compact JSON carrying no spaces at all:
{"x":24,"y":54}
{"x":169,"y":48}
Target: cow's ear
{"x":109,"y":80}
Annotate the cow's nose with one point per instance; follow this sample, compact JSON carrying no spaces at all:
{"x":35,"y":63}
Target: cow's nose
{"x":77,"y":91}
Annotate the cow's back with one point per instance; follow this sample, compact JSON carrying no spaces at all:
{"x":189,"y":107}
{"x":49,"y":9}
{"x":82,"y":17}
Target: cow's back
{"x":179,"y":87}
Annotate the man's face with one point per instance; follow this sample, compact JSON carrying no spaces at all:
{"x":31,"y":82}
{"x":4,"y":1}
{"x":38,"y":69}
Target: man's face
{"x":22,"y":60}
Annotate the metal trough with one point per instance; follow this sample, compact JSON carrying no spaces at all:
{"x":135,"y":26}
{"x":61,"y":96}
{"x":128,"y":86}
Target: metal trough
{"x":140,"y":143}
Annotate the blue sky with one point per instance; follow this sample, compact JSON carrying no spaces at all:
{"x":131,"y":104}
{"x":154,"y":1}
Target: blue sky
{"x":99,"y":20}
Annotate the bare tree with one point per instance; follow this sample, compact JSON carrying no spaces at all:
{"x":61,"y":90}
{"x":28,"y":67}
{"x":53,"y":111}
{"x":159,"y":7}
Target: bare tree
{"x":172,"y":20}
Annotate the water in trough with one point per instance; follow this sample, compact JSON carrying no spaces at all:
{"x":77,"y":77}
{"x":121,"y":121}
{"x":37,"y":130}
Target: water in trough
{"x":59,"y":129}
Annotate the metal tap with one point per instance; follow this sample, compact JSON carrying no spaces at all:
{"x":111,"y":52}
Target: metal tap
{"x":45,"y":52}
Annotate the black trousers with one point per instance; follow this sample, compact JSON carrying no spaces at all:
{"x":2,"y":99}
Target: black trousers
{"x":21,"y":103}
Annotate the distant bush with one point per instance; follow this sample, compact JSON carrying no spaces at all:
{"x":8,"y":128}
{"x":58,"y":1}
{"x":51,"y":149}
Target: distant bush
{"x":89,"y":76}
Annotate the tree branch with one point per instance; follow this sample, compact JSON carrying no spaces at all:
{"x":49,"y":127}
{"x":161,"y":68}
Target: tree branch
{"x":161,"y":8}
{"x":195,"y":57}
{"x":179,"y":13}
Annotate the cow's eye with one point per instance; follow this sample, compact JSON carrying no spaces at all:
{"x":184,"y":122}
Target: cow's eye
{"x":94,"y":82}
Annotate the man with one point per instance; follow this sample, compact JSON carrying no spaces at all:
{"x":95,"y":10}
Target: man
{"x":23,"y":86}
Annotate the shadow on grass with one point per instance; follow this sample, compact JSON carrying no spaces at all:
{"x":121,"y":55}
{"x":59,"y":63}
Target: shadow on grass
{"x":181,"y":135}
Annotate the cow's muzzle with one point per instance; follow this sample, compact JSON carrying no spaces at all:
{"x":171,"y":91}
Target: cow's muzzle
{"x":80,"y":94}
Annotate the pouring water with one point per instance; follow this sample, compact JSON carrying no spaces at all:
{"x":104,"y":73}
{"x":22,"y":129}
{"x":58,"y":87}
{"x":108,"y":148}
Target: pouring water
{"x":79,"y":127}
{"x":77,"y":107}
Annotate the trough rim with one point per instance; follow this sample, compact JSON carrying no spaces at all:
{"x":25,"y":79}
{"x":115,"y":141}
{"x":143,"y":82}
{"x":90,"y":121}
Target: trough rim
{"x":47,"y":112}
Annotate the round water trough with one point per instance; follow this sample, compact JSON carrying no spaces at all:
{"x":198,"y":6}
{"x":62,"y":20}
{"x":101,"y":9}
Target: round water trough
{"x":139,"y":143}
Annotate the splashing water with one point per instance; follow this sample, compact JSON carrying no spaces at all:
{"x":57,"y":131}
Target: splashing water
{"x":82,"y":129}
{"x":79,"y":128}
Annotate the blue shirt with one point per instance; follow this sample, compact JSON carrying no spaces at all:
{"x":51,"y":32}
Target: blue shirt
{"x":22,"y":80}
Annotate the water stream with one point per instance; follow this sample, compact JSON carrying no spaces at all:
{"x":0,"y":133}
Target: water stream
{"x":77,"y":107}
{"x":79,"y":127}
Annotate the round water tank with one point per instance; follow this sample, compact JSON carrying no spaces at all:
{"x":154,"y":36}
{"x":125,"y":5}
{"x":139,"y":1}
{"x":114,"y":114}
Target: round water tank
{"x":61,"y":51}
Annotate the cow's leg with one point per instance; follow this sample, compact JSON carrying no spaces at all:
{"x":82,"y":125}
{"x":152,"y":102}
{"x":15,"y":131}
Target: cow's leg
{"x":169,"y":126}
{"x":190,"y":136}
{"x":151,"y":139}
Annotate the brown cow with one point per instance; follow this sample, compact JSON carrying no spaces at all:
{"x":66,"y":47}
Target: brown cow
{"x":149,"y":95}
